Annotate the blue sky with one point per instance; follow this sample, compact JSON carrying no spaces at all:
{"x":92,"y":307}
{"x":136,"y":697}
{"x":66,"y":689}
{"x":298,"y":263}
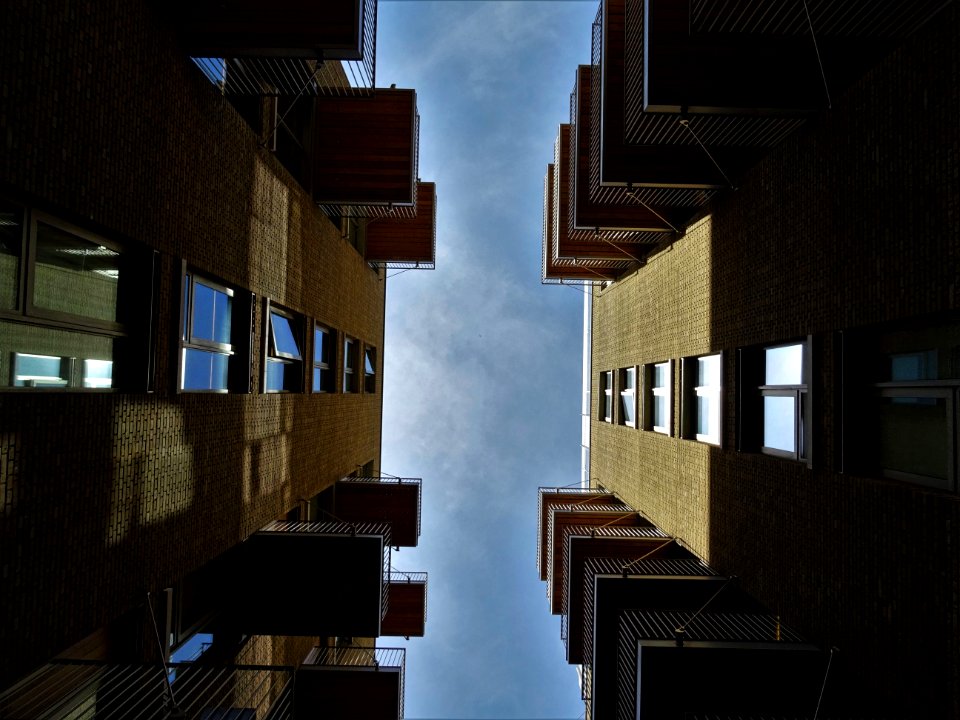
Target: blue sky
{"x":482,"y":362}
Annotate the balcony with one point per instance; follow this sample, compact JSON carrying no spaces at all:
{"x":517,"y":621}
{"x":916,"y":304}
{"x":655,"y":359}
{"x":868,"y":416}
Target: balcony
{"x":651,"y":608}
{"x":405,"y":242}
{"x":87,"y":689}
{"x":613,"y":547}
{"x":577,"y":270}
{"x":551,"y":497}
{"x":328,"y":579}
{"x":364,"y":151}
{"x":407,"y":614}
{"x":351,"y":682}
{"x":378,"y":500}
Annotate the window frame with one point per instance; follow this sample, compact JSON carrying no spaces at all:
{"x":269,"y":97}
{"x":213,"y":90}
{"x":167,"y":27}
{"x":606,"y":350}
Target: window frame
{"x":628,"y":393}
{"x":369,"y":379}
{"x":605,"y":397}
{"x":130,"y":333}
{"x":652,"y":391}
{"x":330,"y":367}
{"x":274,"y":356}
{"x":351,"y":355}
{"x":691,"y":393}
{"x":237,"y":351}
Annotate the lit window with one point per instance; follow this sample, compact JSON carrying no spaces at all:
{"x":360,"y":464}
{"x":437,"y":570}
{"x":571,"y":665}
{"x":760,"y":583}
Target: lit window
{"x":324,"y":356}
{"x":784,"y":397}
{"x":702,"y":410}
{"x":628,"y":396}
{"x":606,"y":396}
{"x":369,"y":369}
{"x":659,"y":398}
{"x":284,"y":366}
{"x":69,"y":303}
{"x":215,"y":337}
{"x":350,"y":351}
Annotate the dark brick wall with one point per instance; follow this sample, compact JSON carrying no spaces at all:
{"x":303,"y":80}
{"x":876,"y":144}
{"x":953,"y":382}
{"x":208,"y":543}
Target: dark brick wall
{"x":853,"y":221}
{"x":103,"y":496}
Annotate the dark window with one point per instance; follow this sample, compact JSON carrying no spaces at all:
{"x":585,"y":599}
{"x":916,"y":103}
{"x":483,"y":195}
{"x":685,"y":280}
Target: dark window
{"x":350,"y":353}
{"x":606,"y":396}
{"x":628,"y":397}
{"x":369,"y":369}
{"x":324,"y":359}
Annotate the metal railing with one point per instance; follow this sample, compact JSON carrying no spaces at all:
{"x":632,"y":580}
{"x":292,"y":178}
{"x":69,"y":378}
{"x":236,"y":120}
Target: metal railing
{"x":547,"y":491}
{"x":82,"y":689}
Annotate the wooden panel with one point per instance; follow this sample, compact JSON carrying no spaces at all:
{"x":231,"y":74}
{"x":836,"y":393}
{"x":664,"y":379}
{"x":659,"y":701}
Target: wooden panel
{"x":558,"y":499}
{"x":393,"y":503}
{"x":407,"y":609}
{"x":347,"y":693}
{"x":411,"y":240}
{"x":288,"y":28}
{"x":364,"y":149}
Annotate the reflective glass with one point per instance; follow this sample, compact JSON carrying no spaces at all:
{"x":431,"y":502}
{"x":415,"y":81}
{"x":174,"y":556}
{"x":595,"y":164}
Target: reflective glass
{"x":11,"y":237}
{"x":629,"y":378}
{"x":317,"y":379}
{"x":779,"y":422}
{"x":97,"y":373}
{"x":211,"y":314}
{"x":39,"y":371}
{"x":65,"y":355}
{"x":203,"y":370}
{"x":913,"y":366}
{"x":74,"y":275}
{"x":284,"y":340}
{"x":708,"y":371}
{"x":914,"y":436}
{"x":784,"y":365}
{"x":276,"y":372}
{"x":706,"y":421}
{"x":626,"y":407}
{"x":321,"y":346}
{"x":661,"y":375}
{"x":368,"y":362}
{"x":660,"y":418}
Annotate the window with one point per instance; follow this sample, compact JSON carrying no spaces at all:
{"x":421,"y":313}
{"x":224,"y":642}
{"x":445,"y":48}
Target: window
{"x":369,"y":369}
{"x":628,"y":396}
{"x":702,"y":411}
{"x":350,"y":352}
{"x":324,"y":359}
{"x":901,"y":408}
{"x":214,"y":337}
{"x":774,"y":412}
{"x":74,"y":307}
{"x":606,"y":396}
{"x":283,"y":370}
{"x":658,"y":398}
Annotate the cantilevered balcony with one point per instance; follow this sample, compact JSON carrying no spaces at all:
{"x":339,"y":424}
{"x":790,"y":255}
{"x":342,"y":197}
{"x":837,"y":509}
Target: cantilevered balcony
{"x":87,"y":689}
{"x":552,"y":497}
{"x":573,"y":269}
{"x":345,"y":683}
{"x":378,"y":500}
{"x":405,"y":242}
{"x":407,"y":614}
{"x":614,"y":547}
{"x":330,"y":579}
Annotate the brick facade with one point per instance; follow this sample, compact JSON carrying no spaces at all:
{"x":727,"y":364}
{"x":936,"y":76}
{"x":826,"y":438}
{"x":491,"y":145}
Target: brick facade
{"x":853,"y":221}
{"x":107,"y":125}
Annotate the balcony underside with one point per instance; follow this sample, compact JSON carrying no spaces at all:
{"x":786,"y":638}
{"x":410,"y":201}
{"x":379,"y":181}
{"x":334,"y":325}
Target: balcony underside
{"x":348,"y":692}
{"x":408,"y":240}
{"x":550,"y":498}
{"x":322,"y":585}
{"x":365,"y":149}
{"x":376,"y":501}
{"x":407,"y":613}
{"x":333,"y":29}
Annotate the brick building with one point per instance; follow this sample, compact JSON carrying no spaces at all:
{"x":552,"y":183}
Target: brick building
{"x":775,"y":366}
{"x":198,"y":205}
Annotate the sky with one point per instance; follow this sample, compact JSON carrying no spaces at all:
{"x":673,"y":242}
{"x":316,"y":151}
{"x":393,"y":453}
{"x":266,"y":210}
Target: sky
{"x":481,"y":361}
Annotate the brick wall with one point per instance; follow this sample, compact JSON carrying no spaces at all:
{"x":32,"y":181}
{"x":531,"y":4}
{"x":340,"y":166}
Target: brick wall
{"x":104,"y":123}
{"x":852,"y":221}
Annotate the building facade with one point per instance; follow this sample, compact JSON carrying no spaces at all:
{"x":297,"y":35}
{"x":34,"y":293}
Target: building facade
{"x":775,"y":380}
{"x":192,"y":324}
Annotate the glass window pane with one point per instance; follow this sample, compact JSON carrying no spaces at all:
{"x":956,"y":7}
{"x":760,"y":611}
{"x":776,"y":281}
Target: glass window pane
{"x":626,"y":407}
{"x":69,"y":350}
{"x":708,"y":371}
{"x":914,"y":437}
{"x":784,"y":365}
{"x":284,"y":340}
{"x":276,"y":374}
{"x":661,"y":375}
{"x":913,"y":366}
{"x":369,"y":363}
{"x":660,"y":418}
{"x":73,"y":275}
{"x":97,"y":373}
{"x":11,"y":236}
{"x":348,"y":358}
{"x":203,"y":370}
{"x":211,"y":314}
{"x":317,"y":380}
{"x":779,"y":422}
{"x":706,"y":415}
{"x":322,"y":346}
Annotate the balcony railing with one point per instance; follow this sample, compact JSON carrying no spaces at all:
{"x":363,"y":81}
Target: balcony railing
{"x":548,"y":497}
{"x":82,"y":689}
{"x":403,"y":242}
{"x":353,"y":682}
{"x":407,"y":615}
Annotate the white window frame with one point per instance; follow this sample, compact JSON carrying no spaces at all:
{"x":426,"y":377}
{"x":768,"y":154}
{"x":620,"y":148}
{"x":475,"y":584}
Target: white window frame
{"x":799,"y":393}
{"x":189,"y":341}
{"x":628,"y":394}
{"x":715,"y":393}
{"x":276,"y":356}
{"x":655,"y":391}
{"x":351,"y":355}
{"x":319,"y":329}
{"x":605,"y":398}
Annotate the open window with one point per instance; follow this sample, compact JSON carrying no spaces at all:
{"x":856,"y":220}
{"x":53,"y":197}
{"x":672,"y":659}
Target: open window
{"x":606,"y":396}
{"x":283,"y":370}
{"x":658,"y":397}
{"x":628,"y":397}
{"x":369,"y":369}
{"x":351,"y":352}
